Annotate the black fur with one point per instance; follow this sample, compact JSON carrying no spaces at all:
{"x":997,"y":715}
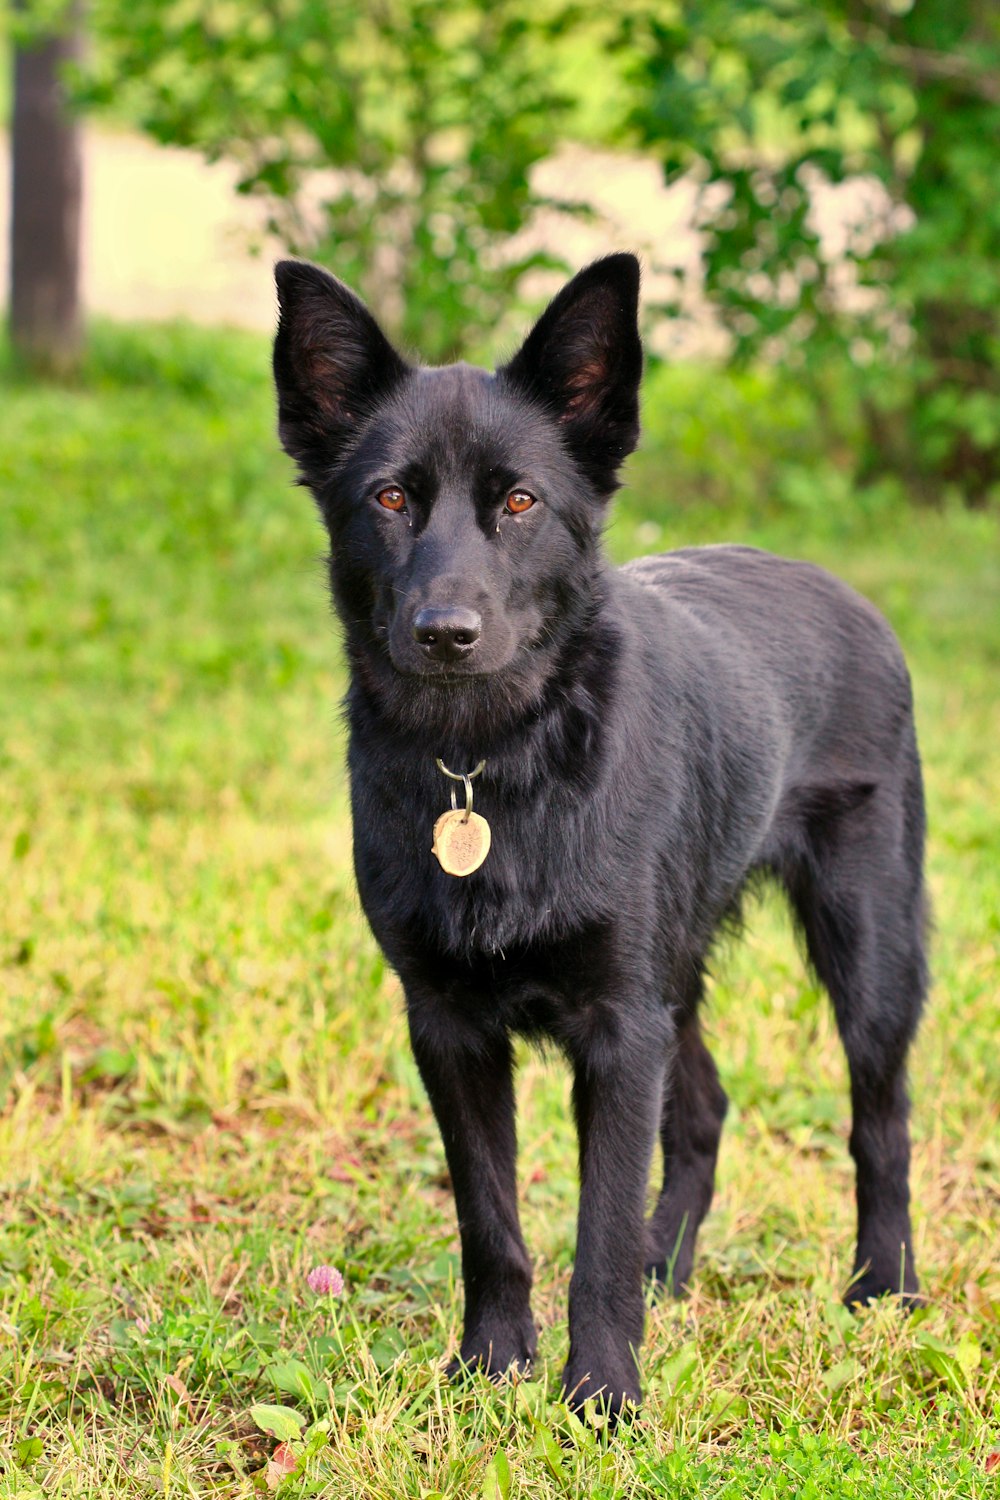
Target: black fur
{"x":654,"y":736}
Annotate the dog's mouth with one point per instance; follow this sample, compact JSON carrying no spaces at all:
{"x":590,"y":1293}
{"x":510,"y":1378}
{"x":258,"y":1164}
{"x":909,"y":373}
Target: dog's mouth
{"x":446,"y":674}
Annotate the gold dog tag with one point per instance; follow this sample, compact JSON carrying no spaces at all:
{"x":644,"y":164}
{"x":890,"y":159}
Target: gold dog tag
{"x":461,"y":841}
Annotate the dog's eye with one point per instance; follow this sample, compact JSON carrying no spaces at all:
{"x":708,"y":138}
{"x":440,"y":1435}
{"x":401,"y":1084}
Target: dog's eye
{"x":518,"y":502}
{"x":392,"y":498}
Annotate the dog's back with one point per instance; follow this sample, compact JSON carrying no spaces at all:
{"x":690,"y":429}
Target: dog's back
{"x":786,"y":650}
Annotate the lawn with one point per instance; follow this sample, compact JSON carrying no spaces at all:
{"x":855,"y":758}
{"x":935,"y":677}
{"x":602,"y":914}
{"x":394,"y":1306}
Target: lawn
{"x":205,"y":1086}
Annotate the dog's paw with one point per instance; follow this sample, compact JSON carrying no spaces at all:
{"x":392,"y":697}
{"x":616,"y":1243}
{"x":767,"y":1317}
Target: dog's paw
{"x":613,"y":1392}
{"x":664,"y":1280}
{"x":496,"y":1354}
{"x":869,"y":1284}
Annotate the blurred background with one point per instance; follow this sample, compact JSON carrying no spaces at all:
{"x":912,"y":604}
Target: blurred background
{"x":811,"y":186}
{"x":205,"y":1083}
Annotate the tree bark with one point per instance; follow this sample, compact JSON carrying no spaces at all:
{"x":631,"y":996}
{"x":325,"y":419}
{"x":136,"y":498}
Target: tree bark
{"x":47,"y":188}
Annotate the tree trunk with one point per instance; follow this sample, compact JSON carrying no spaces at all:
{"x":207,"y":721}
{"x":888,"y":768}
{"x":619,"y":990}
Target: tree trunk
{"x":47,"y":182}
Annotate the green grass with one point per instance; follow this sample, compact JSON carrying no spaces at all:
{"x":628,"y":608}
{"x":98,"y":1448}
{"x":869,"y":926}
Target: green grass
{"x":206,"y":1087}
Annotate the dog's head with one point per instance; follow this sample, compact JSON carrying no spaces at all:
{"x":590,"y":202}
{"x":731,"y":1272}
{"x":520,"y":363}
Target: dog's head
{"x":464,"y":508}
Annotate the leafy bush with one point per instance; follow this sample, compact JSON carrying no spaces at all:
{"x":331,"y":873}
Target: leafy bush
{"x":395,"y":141}
{"x":770,"y":106}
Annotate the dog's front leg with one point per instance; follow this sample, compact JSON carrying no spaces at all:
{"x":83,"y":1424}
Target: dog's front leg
{"x":617,"y":1095}
{"x":468,"y":1075}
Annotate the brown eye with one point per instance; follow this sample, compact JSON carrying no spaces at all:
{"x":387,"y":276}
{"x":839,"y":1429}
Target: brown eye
{"x":391,"y":498}
{"x":519,"y":502}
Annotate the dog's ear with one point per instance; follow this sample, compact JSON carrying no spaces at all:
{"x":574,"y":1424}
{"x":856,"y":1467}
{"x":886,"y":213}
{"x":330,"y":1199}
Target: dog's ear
{"x":583,"y":362}
{"x":332,"y":364}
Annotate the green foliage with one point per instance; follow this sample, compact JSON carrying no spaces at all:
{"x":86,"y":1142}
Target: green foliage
{"x":394,"y":141}
{"x":771,"y":104}
{"x":277,"y":1421}
{"x":205,"y":1084}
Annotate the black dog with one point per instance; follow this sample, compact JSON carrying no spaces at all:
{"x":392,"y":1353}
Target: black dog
{"x":652,"y":736}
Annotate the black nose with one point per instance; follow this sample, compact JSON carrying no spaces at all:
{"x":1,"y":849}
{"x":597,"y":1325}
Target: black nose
{"x":447,"y":632}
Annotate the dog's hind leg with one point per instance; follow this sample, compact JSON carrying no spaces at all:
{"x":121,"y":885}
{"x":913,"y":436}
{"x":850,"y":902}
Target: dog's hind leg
{"x":694,"y":1109}
{"x":859,"y":895}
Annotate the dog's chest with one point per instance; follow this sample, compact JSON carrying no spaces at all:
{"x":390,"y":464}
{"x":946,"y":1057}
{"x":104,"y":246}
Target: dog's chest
{"x":549,"y":871}
{"x":558,"y":988}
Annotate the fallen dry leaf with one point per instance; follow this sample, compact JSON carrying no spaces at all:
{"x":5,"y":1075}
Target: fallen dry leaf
{"x":282,"y":1462}
{"x":179,"y":1389}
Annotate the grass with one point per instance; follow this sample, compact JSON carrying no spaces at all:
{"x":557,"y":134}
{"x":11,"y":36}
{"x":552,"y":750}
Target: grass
{"x":206,"y":1087}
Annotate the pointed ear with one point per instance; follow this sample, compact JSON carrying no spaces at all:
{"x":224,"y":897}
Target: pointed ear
{"x":583,"y":362}
{"x":332,"y":364}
